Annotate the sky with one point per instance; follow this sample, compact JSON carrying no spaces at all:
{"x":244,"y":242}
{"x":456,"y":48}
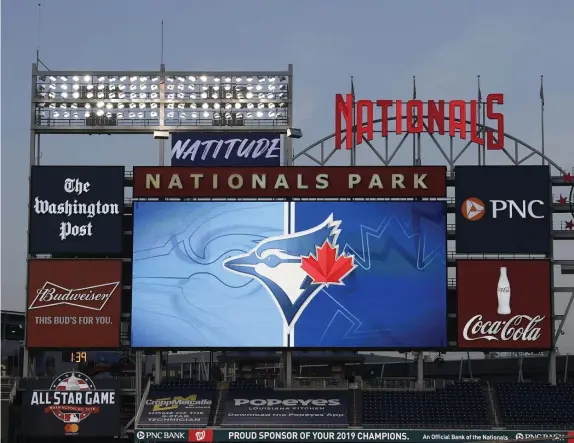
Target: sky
{"x":382,"y":43}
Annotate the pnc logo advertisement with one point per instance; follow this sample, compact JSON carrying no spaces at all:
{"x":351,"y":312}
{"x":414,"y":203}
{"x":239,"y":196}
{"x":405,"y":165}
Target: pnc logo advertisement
{"x":474,"y":209}
{"x":498,"y":207}
{"x":504,"y":304}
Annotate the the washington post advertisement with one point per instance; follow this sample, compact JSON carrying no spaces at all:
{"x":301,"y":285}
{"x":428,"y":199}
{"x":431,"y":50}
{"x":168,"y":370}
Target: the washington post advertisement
{"x":289,"y":274}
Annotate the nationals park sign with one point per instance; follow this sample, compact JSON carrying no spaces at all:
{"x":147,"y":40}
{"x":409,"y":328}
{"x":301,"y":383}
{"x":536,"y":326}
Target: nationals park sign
{"x":344,"y":435}
{"x":429,"y":116}
{"x":290,"y":181}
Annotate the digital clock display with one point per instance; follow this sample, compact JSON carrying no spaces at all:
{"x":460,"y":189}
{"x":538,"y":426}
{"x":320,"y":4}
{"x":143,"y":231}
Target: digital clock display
{"x":75,"y":357}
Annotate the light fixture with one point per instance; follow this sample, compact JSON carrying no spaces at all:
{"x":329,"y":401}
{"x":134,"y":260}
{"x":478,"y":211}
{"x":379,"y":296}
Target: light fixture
{"x":233,"y":97}
{"x":294,"y":133}
{"x":160,"y":135}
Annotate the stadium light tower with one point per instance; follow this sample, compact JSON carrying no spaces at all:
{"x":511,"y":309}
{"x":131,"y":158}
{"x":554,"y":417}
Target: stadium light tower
{"x":145,"y":102}
{"x":158,"y":103}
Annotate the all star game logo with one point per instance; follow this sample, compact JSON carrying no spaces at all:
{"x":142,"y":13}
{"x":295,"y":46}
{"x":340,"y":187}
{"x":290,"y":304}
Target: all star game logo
{"x":72,"y":398}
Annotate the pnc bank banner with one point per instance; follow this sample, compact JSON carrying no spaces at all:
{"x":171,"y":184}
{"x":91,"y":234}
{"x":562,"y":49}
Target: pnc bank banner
{"x":286,"y":408}
{"x":168,"y":408}
{"x":503,"y":209}
{"x":346,"y":435}
{"x":225,"y":149}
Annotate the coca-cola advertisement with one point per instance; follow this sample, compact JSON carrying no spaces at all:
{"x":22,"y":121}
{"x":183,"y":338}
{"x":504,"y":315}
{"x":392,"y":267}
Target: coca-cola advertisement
{"x":504,"y":304}
{"x":74,"y":303}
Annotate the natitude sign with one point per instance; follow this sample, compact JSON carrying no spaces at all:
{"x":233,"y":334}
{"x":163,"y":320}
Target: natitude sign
{"x":293,"y":181}
{"x":286,"y":408}
{"x":177,"y":408}
{"x":74,"y":303}
{"x":76,"y":210}
{"x":504,"y":304}
{"x":432,"y":116}
{"x":225,"y":149}
{"x":71,"y":405}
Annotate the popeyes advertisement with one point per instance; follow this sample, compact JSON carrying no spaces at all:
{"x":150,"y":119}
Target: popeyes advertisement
{"x":504,"y":304}
{"x":74,"y":303}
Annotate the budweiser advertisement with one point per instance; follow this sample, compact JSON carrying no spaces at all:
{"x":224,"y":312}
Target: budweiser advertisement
{"x":504,"y":304}
{"x":282,"y":182}
{"x":74,"y":303}
{"x":225,"y":149}
{"x":398,"y":117}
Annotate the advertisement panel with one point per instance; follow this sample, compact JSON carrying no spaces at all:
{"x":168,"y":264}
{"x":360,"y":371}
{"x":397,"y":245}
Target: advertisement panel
{"x":347,"y":435}
{"x":76,"y":209}
{"x":74,"y":303}
{"x":504,"y":304}
{"x":225,"y":149}
{"x":184,"y":407}
{"x":290,"y":181}
{"x":498,"y":207}
{"x":277,"y":408}
{"x":71,"y":405}
{"x":300,"y":274}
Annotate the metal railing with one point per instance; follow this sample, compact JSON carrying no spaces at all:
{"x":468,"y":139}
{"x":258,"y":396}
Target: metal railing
{"x":319,"y":383}
{"x":448,"y":200}
{"x":404,"y":385}
{"x":7,"y":385}
{"x":126,"y":383}
{"x":154,"y":122}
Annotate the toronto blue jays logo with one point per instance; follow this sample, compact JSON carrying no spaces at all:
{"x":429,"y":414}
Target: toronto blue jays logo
{"x":294,"y":268}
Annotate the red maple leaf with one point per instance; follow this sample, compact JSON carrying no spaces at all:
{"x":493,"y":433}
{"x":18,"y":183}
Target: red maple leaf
{"x":570,"y":225}
{"x":562,"y":200}
{"x":568,"y":177}
{"x":325,"y":267}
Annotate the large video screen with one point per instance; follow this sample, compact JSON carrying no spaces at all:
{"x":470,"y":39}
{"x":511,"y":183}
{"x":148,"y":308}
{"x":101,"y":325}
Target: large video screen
{"x":299,"y":274}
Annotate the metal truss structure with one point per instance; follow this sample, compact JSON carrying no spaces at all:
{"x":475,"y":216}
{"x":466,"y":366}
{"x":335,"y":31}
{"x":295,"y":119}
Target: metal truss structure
{"x":323,"y":153}
{"x":142,"y":102}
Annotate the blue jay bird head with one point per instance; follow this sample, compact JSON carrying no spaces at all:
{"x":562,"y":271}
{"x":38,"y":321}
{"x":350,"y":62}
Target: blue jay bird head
{"x":276,"y":263}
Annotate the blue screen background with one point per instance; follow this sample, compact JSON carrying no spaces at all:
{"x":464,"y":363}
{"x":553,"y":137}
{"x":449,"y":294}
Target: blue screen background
{"x":396,"y":297}
{"x":184,"y":297}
